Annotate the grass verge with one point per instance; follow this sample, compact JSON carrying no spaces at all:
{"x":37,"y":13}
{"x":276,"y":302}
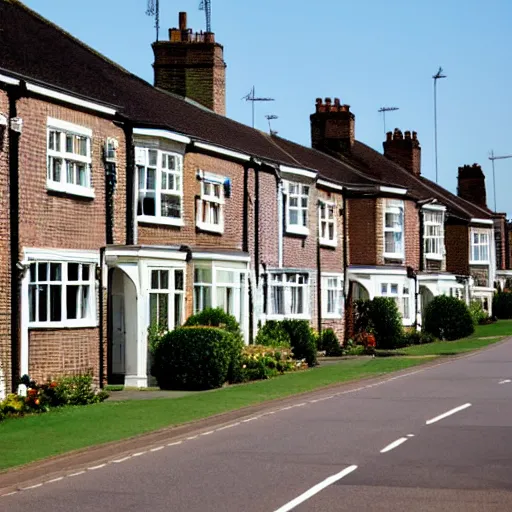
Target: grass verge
{"x":23,"y":440}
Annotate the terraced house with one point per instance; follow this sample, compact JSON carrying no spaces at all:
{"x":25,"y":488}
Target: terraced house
{"x":126,"y":205}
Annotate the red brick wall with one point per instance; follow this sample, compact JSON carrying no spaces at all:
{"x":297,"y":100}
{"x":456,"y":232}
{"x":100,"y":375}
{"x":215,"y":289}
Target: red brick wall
{"x":268,"y":220}
{"x":362,"y":231}
{"x":5,"y":264}
{"x":62,"y":352}
{"x":457,"y":248}
{"x":412,"y":235}
{"x":332,"y":258}
{"x":232,"y":238}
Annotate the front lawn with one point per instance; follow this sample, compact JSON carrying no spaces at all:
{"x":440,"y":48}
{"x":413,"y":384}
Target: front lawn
{"x":23,"y":440}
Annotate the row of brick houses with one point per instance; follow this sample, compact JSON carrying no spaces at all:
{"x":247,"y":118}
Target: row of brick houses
{"x":125,"y":205}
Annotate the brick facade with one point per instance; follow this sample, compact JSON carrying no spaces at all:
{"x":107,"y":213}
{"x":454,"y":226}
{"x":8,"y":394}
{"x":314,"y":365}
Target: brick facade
{"x":363,"y":232}
{"x":412,"y":235}
{"x":457,"y":248}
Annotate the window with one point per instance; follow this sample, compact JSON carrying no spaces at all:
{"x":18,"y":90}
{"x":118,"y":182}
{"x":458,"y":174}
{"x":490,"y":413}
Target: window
{"x":289,"y":294}
{"x":327,"y":223}
{"x":394,"y":229}
{"x":160,"y":186}
{"x":210,"y":207}
{"x":433,"y":234}
{"x":166,"y":298}
{"x":218,"y":287}
{"x":297,"y":208}
{"x":61,"y":294}
{"x":69,"y":158}
{"x":479,"y":246}
{"x":401,"y":296}
{"x":332,"y":296}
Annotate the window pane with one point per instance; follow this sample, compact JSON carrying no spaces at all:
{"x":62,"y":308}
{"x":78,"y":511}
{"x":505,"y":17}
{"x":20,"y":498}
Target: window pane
{"x":73,"y":271}
{"x":163,"y":310}
{"x":178,"y":279}
{"x":394,"y":289}
{"x":85,"y":301}
{"x":150,"y":182}
{"x":55,"y":271}
{"x":42,"y":271}
{"x":152,"y":157}
{"x":171,"y":206}
{"x":294,"y":217}
{"x":69,"y":143}
{"x":164,"y":279}
{"x":43,"y":302}
{"x":304,"y":217}
{"x":32,"y":293}
{"x":55,"y":303}
{"x":81,"y":175}
{"x":33,"y":272}
{"x":202,"y":275}
{"x":277,"y":299}
{"x":383,"y":289}
{"x":331,"y":231}
{"x":85,"y":272}
{"x":225,"y":276}
{"x":390,"y":242}
{"x":178,"y":309}
{"x":154,"y":279}
{"x":71,"y":301}
{"x":147,"y":204}
{"x":153,"y":309}
{"x":304,"y":202}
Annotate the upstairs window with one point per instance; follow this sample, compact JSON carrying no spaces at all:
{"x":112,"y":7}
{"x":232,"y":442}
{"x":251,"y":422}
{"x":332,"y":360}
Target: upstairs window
{"x":297,"y":205}
{"x":69,"y":158}
{"x":160,"y":185}
{"x":289,"y":294}
{"x":479,"y":246}
{"x":394,"y":229}
{"x":210,"y":205}
{"x":61,"y":294}
{"x":433,"y":223}
{"x":327,"y":223}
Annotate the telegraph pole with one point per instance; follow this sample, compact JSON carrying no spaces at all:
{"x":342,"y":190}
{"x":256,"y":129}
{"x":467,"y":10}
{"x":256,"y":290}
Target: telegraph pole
{"x":492,"y":158}
{"x":436,"y":77}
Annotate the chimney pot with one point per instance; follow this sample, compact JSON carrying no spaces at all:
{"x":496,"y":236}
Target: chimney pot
{"x":389,"y":136}
{"x":407,"y":135}
{"x":404,"y":151}
{"x":183,"y":21}
{"x":471,"y":185}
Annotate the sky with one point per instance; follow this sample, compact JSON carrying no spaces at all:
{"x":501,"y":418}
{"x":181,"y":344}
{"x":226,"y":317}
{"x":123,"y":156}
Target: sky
{"x":369,"y":53}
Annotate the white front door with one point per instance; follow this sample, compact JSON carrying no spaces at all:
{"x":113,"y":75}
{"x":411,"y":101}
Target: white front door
{"x":118,"y":334}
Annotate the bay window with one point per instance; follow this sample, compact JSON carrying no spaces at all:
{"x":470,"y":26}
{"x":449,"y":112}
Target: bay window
{"x":327,"y":223}
{"x":69,"y":158}
{"x":297,"y":205}
{"x":394,"y":229}
{"x":479,"y":245}
{"x":433,"y":234}
{"x":61,"y":294}
{"x":166,"y":298}
{"x":401,"y":295}
{"x":332,"y":296}
{"x":289,"y":294}
{"x":160,"y":186}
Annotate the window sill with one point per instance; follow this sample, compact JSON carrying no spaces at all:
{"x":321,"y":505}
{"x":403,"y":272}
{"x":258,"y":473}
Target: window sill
{"x":74,"y":190}
{"x":394,"y":256}
{"x":331,"y":316}
{"x":297,"y":230}
{"x":164,"y":221}
{"x":63,"y":325}
{"x":483,"y":263}
{"x":290,"y":317}
{"x":210,"y":227}
{"x":433,"y":256}
{"x":328,"y":243}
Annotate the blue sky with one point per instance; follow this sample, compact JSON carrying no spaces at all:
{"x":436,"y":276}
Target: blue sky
{"x":369,"y":53}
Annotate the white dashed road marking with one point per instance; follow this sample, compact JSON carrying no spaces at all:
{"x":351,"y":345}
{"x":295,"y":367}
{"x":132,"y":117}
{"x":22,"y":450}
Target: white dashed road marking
{"x":448,"y":413}
{"x":393,"y":445}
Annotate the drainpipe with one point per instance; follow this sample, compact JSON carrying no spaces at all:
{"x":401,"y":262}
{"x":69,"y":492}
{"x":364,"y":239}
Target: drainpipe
{"x":318,"y":279}
{"x":101,"y":302}
{"x":345,"y":260}
{"x":280,"y":220}
{"x":14,"y":94}
{"x":131,"y":226}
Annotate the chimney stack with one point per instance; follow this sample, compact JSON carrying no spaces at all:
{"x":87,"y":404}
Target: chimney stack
{"x":192,"y":65}
{"x":471,"y":185}
{"x":405,"y":151}
{"x":332,"y":127}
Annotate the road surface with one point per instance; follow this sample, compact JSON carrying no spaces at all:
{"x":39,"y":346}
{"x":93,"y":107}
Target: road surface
{"x":433,"y":439}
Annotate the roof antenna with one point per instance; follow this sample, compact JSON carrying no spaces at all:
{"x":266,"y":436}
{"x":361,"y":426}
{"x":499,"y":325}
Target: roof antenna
{"x":252,"y":98}
{"x":153,"y":9}
{"x":383,"y":110}
{"x":270,"y":117}
{"x":206,"y":6}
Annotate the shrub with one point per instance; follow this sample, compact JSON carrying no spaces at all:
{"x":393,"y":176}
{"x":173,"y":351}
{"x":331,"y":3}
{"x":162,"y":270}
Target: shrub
{"x":502,"y":305}
{"x":193,"y":358}
{"x":362,"y":316}
{"x":302,"y":340}
{"x":330,"y":343}
{"x":448,"y":318}
{"x":75,"y":390}
{"x":414,"y":337}
{"x":478,"y":313}
{"x":386,"y":322}
{"x":261,"y":362}
{"x":217,"y":317}
{"x":272,"y":334}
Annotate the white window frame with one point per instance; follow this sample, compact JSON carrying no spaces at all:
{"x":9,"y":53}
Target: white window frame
{"x":332,"y":284}
{"x":63,"y":129}
{"x":401,"y":293}
{"x":207,"y":202}
{"x":90,"y":320}
{"x":296,"y":191}
{"x":287,"y":295}
{"x":170,"y":291}
{"x":142,"y":165}
{"x":395,"y":207}
{"x":324,"y":222}
{"x":433,"y":219}
{"x":480,"y":233}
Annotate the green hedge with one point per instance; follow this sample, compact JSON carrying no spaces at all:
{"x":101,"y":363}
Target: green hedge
{"x":302,"y":340}
{"x":272,"y":334}
{"x":502,"y":305}
{"x":330,"y":343}
{"x":448,"y":318}
{"x":193,"y":358}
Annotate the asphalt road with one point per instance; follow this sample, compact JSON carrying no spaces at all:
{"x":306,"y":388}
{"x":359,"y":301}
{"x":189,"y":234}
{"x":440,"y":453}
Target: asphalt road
{"x":434,"y":439}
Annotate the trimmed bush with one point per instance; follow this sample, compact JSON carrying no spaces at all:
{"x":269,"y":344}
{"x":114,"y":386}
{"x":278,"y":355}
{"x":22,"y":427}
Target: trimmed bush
{"x":414,"y":337}
{"x":217,"y":317}
{"x":502,"y":305}
{"x":330,"y":343}
{"x":193,"y":358}
{"x":302,"y":340}
{"x":448,"y":318}
{"x":272,"y":334}
{"x":478,"y":313}
{"x":386,"y":322}
{"x":262,"y":362}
